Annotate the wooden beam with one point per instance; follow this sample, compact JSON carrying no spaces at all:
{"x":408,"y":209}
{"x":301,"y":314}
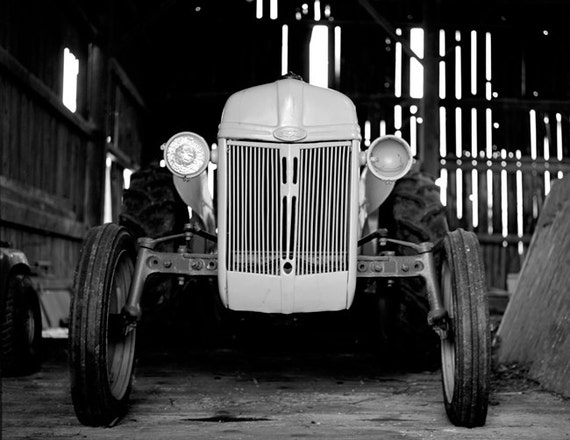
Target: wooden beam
{"x":96,"y":148}
{"x":35,"y":86}
{"x":24,"y":207}
{"x":387,"y":26}
{"x":535,"y":330}
{"x":126,"y":82}
{"x":510,"y":165}
{"x":428,"y":146}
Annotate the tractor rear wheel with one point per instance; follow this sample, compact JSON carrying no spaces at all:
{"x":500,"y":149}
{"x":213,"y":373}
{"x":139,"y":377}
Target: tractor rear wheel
{"x":465,"y":353}
{"x":102,"y":348}
{"x":151,"y":205}
{"x":414,"y":213}
{"x":153,"y":208}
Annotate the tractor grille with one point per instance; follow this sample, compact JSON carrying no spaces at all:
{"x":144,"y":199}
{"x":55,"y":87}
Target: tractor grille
{"x":288,"y":206}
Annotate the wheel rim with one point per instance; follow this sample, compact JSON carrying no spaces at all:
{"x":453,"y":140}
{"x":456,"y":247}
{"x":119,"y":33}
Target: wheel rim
{"x":448,"y":344}
{"x":30,"y":327}
{"x":120,"y":348}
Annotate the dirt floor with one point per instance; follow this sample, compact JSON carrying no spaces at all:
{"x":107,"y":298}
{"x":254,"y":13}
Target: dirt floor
{"x":286,"y":391}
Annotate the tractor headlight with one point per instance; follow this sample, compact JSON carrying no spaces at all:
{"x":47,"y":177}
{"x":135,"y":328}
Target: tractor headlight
{"x":186,"y":154}
{"x":389,"y":157}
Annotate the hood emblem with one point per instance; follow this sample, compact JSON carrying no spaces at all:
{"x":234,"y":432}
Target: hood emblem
{"x":290,"y":133}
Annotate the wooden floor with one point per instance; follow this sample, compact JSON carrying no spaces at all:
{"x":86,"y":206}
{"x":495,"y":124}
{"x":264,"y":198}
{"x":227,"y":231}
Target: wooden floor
{"x":232,"y":393}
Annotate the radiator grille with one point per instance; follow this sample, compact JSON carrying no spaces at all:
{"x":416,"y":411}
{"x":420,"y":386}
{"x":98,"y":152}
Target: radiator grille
{"x":288,"y":203}
{"x":321,"y":225}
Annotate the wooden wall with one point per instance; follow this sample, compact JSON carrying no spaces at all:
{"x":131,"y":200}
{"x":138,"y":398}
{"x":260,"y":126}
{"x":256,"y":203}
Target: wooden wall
{"x":499,"y":146}
{"x":52,"y":159}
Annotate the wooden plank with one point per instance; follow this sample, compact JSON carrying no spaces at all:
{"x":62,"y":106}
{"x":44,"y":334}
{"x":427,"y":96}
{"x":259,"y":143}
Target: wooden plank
{"x":483,"y":203}
{"x":35,"y":85}
{"x":127,"y":84}
{"x":467,"y":201}
{"x":497,"y":199}
{"x":535,"y":330}
{"x":510,"y":164}
{"x":512,"y":203}
{"x":26,"y":207}
{"x":96,"y":151}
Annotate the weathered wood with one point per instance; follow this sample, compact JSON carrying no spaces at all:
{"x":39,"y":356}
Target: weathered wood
{"x":96,"y":152}
{"x":429,"y":130}
{"x":535,"y":330}
{"x":36,"y":86}
{"x":26,"y":207}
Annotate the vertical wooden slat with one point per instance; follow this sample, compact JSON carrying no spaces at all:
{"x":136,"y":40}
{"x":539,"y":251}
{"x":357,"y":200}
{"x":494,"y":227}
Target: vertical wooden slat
{"x":483,"y":206}
{"x":497,"y":200}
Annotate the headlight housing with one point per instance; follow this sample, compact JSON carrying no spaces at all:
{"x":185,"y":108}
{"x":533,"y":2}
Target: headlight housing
{"x":389,"y":157}
{"x":186,"y":154}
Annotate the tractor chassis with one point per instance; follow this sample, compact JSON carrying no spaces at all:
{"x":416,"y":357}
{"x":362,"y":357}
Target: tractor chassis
{"x":184,"y":263}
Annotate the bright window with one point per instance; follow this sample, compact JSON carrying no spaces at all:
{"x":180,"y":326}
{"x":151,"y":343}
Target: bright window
{"x":70,"y":72}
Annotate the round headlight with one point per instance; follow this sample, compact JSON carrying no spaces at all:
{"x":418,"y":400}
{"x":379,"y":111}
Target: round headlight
{"x":186,"y":154}
{"x":389,"y":157}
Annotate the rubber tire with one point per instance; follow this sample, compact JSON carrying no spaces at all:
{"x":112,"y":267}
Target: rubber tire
{"x":151,"y":205}
{"x":466,"y":355}
{"x":105,"y":268}
{"x":413,"y":212}
{"x":21,"y":327}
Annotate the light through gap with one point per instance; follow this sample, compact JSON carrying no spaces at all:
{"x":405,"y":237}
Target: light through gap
{"x":520,"y":212}
{"x":398,"y":67}
{"x":416,"y":69}
{"x":473,"y":62}
{"x":504,"y":195}
{"x":558,"y":136}
{"x":317,"y":10}
{"x":488,"y":88}
{"x":459,"y":189}
{"x":337,"y":54}
{"x":442,"y":64}
{"x":413,"y":135}
{"x":474,"y":173}
{"x":259,"y":9}
{"x":442,"y":132}
{"x":458,"y":66}
{"x":108,"y":199}
{"x":475,"y":197}
{"x":533,"y":149}
{"x":458,"y":132}
{"x":284,"y":49}
{"x":318,"y":56}
{"x":70,"y":72}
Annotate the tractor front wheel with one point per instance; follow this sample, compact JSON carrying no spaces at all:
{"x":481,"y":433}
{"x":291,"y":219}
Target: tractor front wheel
{"x":102,"y":348}
{"x":465,"y":353}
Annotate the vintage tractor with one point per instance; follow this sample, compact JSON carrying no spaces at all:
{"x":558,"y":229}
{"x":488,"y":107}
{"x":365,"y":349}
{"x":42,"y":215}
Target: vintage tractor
{"x":302,"y":213}
{"x":20,"y":315}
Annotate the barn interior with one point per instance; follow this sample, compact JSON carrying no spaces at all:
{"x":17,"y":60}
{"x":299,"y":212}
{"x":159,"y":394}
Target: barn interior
{"x":90,"y":90}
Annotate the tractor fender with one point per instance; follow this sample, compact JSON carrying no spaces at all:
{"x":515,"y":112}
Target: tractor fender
{"x":12,"y":260}
{"x":195,"y":193}
{"x":373,"y":192}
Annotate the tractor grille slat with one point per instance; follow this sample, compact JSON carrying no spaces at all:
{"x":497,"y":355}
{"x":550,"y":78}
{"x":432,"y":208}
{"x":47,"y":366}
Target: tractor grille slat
{"x":322,"y":220}
{"x":254,"y":209}
{"x":288,"y":203}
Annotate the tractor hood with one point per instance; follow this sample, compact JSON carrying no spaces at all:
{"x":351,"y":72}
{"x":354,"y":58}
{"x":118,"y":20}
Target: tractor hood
{"x":289,"y":110}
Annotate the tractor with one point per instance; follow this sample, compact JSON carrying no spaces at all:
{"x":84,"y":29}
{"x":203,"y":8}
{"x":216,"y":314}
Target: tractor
{"x":303,"y":215}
